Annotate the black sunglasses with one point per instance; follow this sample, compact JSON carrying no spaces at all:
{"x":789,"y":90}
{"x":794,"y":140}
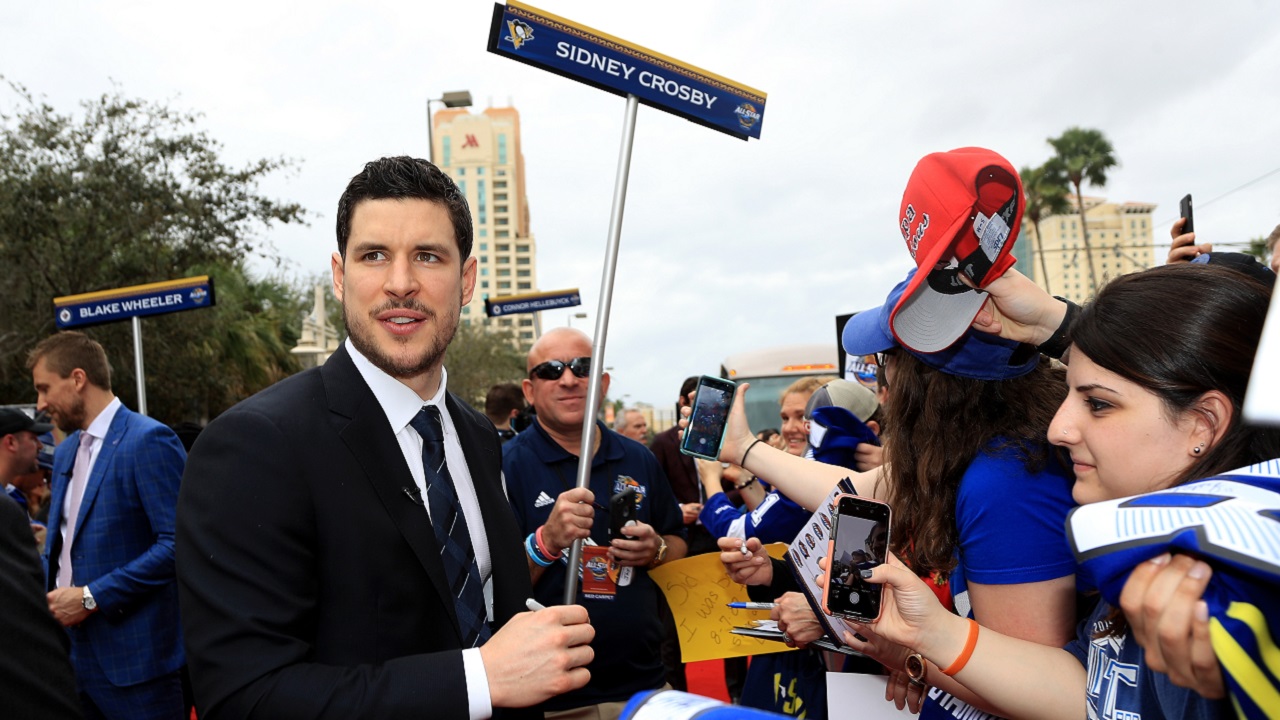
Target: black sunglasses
{"x":553,"y":369}
{"x":882,"y":358}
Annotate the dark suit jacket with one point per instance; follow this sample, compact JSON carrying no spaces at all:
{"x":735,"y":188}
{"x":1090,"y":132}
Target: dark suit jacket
{"x":310,"y":582}
{"x":123,"y":547}
{"x":35,"y":673}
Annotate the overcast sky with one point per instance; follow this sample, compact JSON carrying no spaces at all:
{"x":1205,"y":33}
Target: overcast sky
{"x":727,"y":245}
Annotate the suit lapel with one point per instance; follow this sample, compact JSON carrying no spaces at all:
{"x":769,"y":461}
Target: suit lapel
{"x":499,"y":525}
{"x":364,"y":428}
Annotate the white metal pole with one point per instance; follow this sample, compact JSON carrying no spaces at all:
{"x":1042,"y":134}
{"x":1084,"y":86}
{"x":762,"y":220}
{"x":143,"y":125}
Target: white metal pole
{"x":137,"y":365}
{"x":602,"y":326}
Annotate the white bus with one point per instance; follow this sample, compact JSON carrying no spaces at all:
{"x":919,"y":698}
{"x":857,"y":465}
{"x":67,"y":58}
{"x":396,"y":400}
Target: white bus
{"x":771,"y":370}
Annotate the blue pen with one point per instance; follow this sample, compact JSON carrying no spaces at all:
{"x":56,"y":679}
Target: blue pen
{"x":752,"y":606}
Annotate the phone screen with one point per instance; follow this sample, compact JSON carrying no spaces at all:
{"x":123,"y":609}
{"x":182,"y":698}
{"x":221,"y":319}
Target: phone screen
{"x":860,"y":542}
{"x":707,"y":421}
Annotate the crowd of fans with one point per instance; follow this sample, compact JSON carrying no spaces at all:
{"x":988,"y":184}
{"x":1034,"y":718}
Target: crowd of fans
{"x":357,"y":542}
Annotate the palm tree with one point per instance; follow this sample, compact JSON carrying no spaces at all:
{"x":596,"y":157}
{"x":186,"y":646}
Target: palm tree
{"x":1085,"y":154}
{"x":1046,"y":190}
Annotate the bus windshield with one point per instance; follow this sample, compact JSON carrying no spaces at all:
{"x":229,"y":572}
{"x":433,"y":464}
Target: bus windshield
{"x":770,"y":371}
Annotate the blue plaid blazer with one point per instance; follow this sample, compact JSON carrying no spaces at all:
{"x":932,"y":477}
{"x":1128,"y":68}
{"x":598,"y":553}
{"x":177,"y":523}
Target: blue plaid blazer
{"x":123,"y":548}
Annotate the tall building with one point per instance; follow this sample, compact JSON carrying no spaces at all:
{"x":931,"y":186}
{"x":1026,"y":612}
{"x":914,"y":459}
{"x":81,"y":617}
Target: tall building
{"x":1120,"y":235}
{"x":481,"y":151}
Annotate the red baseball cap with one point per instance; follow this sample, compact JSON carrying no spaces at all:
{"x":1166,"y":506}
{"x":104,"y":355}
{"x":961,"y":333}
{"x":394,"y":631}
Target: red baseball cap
{"x":960,"y":214}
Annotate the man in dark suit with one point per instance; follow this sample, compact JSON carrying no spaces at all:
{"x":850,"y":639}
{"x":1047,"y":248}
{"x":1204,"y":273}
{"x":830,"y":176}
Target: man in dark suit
{"x":35,"y":671}
{"x":109,"y":549}
{"x":332,"y":545}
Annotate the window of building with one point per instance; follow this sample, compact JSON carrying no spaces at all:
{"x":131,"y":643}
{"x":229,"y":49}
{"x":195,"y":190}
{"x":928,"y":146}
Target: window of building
{"x":499,"y":197}
{"x":462,"y":187}
{"x":505,"y":322}
{"x":484,"y":246}
{"x":504,"y":272}
{"x":447,"y":146}
{"x":522,"y":261}
{"x":501,"y":173}
{"x":502,"y":234}
{"x":484,"y":232}
{"x":504,"y":285}
{"x":522,"y":247}
{"x":504,"y":259}
{"x":482,"y":218}
{"x":480,"y":171}
{"x":503,"y":247}
{"x":484,"y":271}
{"x":484,"y":284}
{"x":499,"y":184}
{"x":526,"y":334}
{"x":500,"y":208}
{"x":484,"y":258}
{"x":466,"y":309}
{"x":502,"y":148}
{"x":524,"y":286}
{"x":500,"y":221}
{"x":462,"y":171}
{"x":522,"y":273}
{"x":526,"y":322}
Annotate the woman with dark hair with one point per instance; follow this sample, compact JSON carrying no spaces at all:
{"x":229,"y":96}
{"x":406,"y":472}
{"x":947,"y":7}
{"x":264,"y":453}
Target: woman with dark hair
{"x":978,"y":497}
{"x":1154,"y":401}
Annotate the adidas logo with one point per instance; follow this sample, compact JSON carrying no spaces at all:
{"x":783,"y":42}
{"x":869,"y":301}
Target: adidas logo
{"x":543,"y":500}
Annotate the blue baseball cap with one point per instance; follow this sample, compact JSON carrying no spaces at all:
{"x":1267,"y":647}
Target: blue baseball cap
{"x":976,"y":355}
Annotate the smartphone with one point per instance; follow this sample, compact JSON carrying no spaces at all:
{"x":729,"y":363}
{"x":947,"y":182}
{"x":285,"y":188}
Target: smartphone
{"x":622,"y":510}
{"x":710,"y":414}
{"x":1185,"y":208}
{"x":859,"y":541}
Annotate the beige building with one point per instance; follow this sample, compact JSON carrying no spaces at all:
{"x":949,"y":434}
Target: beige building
{"x":482,"y":153}
{"x":1121,"y":237}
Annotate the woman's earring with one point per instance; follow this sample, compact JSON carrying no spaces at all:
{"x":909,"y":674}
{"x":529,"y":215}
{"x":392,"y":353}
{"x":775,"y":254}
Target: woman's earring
{"x":1197,"y":449}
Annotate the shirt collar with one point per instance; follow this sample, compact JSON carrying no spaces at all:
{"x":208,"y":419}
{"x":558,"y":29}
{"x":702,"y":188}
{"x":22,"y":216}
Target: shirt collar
{"x":398,"y":401}
{"x":101,"y":424}
{"x":549,"y":450}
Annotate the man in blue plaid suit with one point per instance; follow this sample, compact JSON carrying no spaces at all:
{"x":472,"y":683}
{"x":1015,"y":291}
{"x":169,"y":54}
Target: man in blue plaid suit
{"x":109,"y":555}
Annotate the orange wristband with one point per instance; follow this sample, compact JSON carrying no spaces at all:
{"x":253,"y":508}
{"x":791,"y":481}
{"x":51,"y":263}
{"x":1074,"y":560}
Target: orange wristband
{"x":969,"y":644}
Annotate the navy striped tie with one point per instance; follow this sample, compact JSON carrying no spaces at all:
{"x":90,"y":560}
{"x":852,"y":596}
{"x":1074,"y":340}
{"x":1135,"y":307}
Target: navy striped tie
{"x":459,"y":558}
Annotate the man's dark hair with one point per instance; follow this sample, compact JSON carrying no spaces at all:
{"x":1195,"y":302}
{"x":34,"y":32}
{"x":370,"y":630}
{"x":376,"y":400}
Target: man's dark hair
{"x":69,"y":350}
{"x":501,"y":400}
{"x":405,"y":178}
{"x":690,"y":383}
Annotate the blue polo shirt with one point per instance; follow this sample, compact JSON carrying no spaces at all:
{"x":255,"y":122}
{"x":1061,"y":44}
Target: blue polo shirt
{"x":629,"y":634}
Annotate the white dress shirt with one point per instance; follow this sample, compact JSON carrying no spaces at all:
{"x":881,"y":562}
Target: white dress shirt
{"x":98,"y":431}
{"x":401,"y":404}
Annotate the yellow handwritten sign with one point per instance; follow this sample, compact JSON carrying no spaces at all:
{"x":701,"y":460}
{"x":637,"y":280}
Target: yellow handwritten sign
{"x":699,"y":590}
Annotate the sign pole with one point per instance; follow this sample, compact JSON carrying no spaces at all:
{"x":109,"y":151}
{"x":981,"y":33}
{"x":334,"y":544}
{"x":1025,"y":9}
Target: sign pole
{"x":602,"y":325}
{"x":137,"y":365}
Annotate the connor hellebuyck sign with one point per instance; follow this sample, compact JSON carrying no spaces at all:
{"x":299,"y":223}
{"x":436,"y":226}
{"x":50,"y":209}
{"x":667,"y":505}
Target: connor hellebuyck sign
{"x":159,"y":298}
{"x":532,"y":302}
{"x":561,"y":46}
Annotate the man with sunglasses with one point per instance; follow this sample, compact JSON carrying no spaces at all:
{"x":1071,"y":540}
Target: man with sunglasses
{"x":541,"y":468}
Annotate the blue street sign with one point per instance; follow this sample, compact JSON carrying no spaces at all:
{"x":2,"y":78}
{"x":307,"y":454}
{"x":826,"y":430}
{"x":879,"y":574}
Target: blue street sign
{"x":158,"y":298}
{"x":532,"y":302}
{"x":532,"y":36}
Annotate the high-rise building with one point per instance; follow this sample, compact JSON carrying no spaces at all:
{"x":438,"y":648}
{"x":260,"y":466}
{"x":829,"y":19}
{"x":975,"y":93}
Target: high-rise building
{"x":1120,"y":235}
{"x":481,"y":152}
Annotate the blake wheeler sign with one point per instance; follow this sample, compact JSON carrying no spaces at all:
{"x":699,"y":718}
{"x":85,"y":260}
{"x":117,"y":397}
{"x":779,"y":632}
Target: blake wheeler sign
{"x":532,"y":302}
{"x":139,"y":300}
{"x":552,"y":43}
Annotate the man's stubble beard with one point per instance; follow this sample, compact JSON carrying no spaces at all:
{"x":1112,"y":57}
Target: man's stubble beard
{"x":362,"y":338}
